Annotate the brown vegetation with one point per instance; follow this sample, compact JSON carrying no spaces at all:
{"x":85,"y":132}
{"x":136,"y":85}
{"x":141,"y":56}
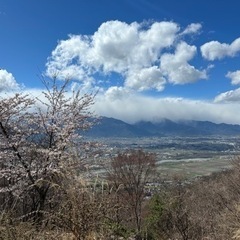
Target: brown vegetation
{"x":129,"y":173}
{"x":42,"y":195}
{"x":207,"y":208}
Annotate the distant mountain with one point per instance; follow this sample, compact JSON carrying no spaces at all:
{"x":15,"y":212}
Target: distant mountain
{"x":110,"y":127}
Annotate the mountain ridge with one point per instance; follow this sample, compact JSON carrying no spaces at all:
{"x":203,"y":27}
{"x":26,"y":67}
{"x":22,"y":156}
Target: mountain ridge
{"x":111,"y":127}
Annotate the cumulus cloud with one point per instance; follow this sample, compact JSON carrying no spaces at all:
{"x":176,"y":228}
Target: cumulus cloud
{"x":7,"y":81}
{"x":65,"y":61}
{"x":192,"y":28}
{"x":145,"y":79}
{"x":234,"y":76}
{"x":229,"y":96}
{"x":177,"y":68}
{"x":215,"y":50}
{"x":116,"y":93}
{"x":115,"y":46}
{"x":134,"y":51}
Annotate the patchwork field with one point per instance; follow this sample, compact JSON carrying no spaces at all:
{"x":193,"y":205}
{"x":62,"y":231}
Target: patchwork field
{"x":177,"y":156}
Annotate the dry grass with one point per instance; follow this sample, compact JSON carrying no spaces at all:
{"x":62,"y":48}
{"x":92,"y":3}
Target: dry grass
{"x":206,"y":209}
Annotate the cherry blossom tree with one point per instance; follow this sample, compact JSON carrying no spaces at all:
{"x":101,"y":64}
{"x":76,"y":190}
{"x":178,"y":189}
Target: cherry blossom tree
{"x":36,"y":136}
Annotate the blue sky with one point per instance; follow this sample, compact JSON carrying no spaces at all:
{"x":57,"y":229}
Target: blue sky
{"x":148,"y":59}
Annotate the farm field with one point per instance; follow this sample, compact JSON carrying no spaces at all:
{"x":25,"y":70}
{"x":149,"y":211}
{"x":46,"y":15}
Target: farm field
{"x":187,"y":157}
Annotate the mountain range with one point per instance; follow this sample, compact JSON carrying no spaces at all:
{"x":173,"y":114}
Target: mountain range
{"x":110,"y":127}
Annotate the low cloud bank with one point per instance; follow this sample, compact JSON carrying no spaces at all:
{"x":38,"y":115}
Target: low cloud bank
{"x":134,"y":108}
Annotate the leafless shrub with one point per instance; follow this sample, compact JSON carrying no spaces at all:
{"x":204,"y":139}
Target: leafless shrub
{"x":129,"y":173}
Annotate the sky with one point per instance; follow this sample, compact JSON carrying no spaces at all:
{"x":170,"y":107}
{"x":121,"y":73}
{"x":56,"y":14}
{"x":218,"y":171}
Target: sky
{"x":147,"y":59}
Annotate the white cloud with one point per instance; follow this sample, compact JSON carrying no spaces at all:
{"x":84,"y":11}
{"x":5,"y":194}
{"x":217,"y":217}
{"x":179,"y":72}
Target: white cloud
{"x":146,"y":78}
{"x":7,"y":81}
{"x":134,"y":107}
{"x":215,"y":50}
{"x":112,"y":46}
{"x":229,"y":96}
{"x":124,"y":104}
{"x":141,"y":55}
{"x":116,"y":93}
{"x":159,"y":36}
{"x":234,"y":76}
{"x":177,"y":68}
{"x":118,"y":46}
{"x":192,"y":28}
{"x":131,"y":50}
{"x":65,"y":61}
